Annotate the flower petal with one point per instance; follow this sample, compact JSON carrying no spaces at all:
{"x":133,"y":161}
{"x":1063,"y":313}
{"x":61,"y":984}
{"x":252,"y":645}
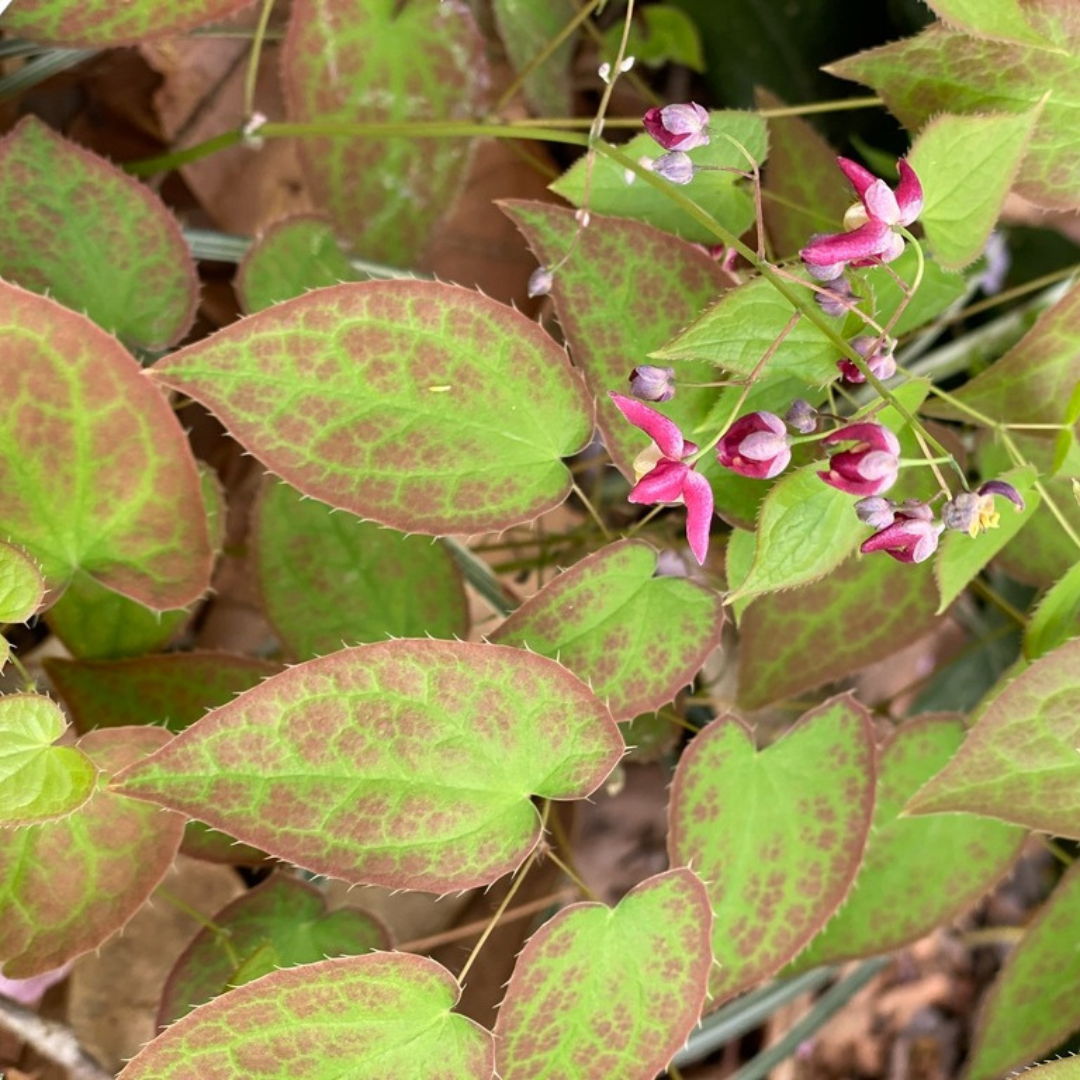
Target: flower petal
{"x":880,"y":203}
{"x":664,"y":432}
{"x":663,"y":485}
{"x":862,"y":243}
{"x":909,"y":193}
{"x":860,"y":178}
{"x":699,"y":511}
{"x":875,"y":435}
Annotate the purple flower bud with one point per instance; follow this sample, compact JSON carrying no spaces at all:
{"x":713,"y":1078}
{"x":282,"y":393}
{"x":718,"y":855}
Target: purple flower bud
{"x":879,"y":360}
{"x":540,"y":282}
{"x":756,"y":445}
{"x":870,"y":467}
{"x":678,"y":127}
{"x":876,"y":511}
{"x":670,"y":564}
{"x":838,"y":298}
{"x":649,"y":383}
{"x":676,"y":167}
{"x":801,"y":417}
{"x":907,"y":539}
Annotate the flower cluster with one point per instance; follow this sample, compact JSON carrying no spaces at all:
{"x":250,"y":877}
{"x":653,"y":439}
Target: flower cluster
{"x":678,"y":129}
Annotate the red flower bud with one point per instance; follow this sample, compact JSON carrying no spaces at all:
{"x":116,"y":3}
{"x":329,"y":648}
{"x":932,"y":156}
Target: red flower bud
{"x":870,"y":466}
{"x":756,"y":445}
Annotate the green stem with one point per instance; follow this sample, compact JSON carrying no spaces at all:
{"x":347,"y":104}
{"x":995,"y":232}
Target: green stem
{"x":251,"y":77}
{"x":837,"y":105}
{"x":175,"y":159}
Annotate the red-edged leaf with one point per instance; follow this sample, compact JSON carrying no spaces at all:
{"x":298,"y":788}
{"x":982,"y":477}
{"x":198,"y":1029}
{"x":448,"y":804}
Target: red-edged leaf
{"x":67,"y":885}
{"x":408,"y":763}
{"x":602,"y":992}
{"x":422,"y":406}
{"x":97,"y":473}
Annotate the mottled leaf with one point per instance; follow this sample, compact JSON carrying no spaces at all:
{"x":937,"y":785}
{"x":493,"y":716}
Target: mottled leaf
{"x":1032,"y":1006}
{"x":1063,"y":1069}
{"x":409,"y":763}
{"x":635,"y":638}
{"x":21,"y":587}
{"x":422,"y":406}
{"x":865,"y":610}
{"x":212,"y":845}
{"x":609,"y":992}
{"x":967,"y":165}
{"x":97,"y":23}
{"x":1001,"y":20}
{"x":67,"y":885}
{"x":173,"y":690}
{"x":944,"y":70}
{"x":329,"y":580}
{"x":39,"y":781}
{"x":99,"y":242}
{"x":1057,"y":617}
{"x":526,"y":29}
{"x":361,"y":1017}
{"x":917,"y":873}
{"x":777,"y":835}
{"x":97,"y":473}
{"x":1033,"y":382}
{"x":718,"y":188}
{"x":380,"y":62}
{"x":1020,"y":761}
{"x":281,"y":923}
{"x":293,"y":255}
{"x":960,"y":556}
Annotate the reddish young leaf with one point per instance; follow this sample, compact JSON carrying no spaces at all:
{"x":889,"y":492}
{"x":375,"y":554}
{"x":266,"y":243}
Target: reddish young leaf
{"x":407,"y":763}
{"x":67,"y":885}
{"x":777,"y":835}
{"x":421,"y":406}
{"x":98,"y":474}
{"x":613,"y":993}
{"x":376,"y":1017}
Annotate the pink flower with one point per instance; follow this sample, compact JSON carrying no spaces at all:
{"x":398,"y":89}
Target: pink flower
{"x":678,"y":127}
{"x":974,"y":512}
{"x":879,"y":359}
{"x":756,"y":445}
{"x":870,"y":466}
{"x":911,"y":538}
{"x":651,"y":383}
{"x":872,"y":222}
{"x":663,"y":476}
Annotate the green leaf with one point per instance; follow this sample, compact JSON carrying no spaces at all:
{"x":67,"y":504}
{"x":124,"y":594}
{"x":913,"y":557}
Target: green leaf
{"x":1032,"y":1006}
{"x":279,"y":924}
{"x":39,"y":781}
{"x":1063,"y":1069}
{"x":610,"y":992}
{"x":1033,"y":382}
{"x":172,"y":691}
{"x":94,"y":23}
{"x":917,"y":873}
{"x":408,"y":763}
{"x":960,"y":556}
{"x":81,"y":231}
{"x":866,"y":609}
{"x":67,"y":885}
{"x":294,"y":255}
{"x":967,"y":164}
{"x":777,"y":835}
{"x":384,"y":585}
{"x":380,"y":62}
{"x":720,"y":192}
{"x":947,"y":71}
{"x":659,"y":35}
{"x":526,"y":28}
{"x":21,"y":587}
{"x":422,"y":406}
{"x":804,"y":190}
{"x":1001,"y":20}
{"x":98,"y":473}
{"x":1020,"y":762}
{"x":635,"y":638}
{"x":1057,"y":618}
{"x":361,"y":1017}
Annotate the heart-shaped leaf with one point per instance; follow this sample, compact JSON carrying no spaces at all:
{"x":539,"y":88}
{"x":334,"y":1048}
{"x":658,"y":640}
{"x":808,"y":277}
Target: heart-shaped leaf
{"x":39,"y":781}
{"x":419,"y":405}
{"x":384,"y":585}
{"x":91,"y":237}
{"x":364,"y":1017}
{"x":605,"y":992}
{"x":917,"y":873}
{"x":357,"y":61}
{"x":97,"y":23}
{"x":21,"y":587}
{"x":777,"y":835}
{"x":408,"y":763}
{"x":635,"y":638}
{"x":281,"y":923}
{"x":67,"y":885}
{"x":1032,"y":1006}
{"x":98,"y":473}
{"x":1020,"y":761}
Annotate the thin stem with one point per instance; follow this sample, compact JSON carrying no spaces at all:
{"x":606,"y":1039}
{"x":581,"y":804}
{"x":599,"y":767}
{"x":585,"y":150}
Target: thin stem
{"x":838,"y":105}
{"x":992,"y":596}
{"x":1017,"y":291}
{"x":572,"y":875}
{"x":177,"y":158}
{"x":28,"y":681}
{"x":593,"y":512}
{"x":223,"y":936}
{"x":1057,"y":850}
{"x":251,"y":78}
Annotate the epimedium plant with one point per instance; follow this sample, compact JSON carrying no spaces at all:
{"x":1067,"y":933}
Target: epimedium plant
{"x":783,"y":403}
